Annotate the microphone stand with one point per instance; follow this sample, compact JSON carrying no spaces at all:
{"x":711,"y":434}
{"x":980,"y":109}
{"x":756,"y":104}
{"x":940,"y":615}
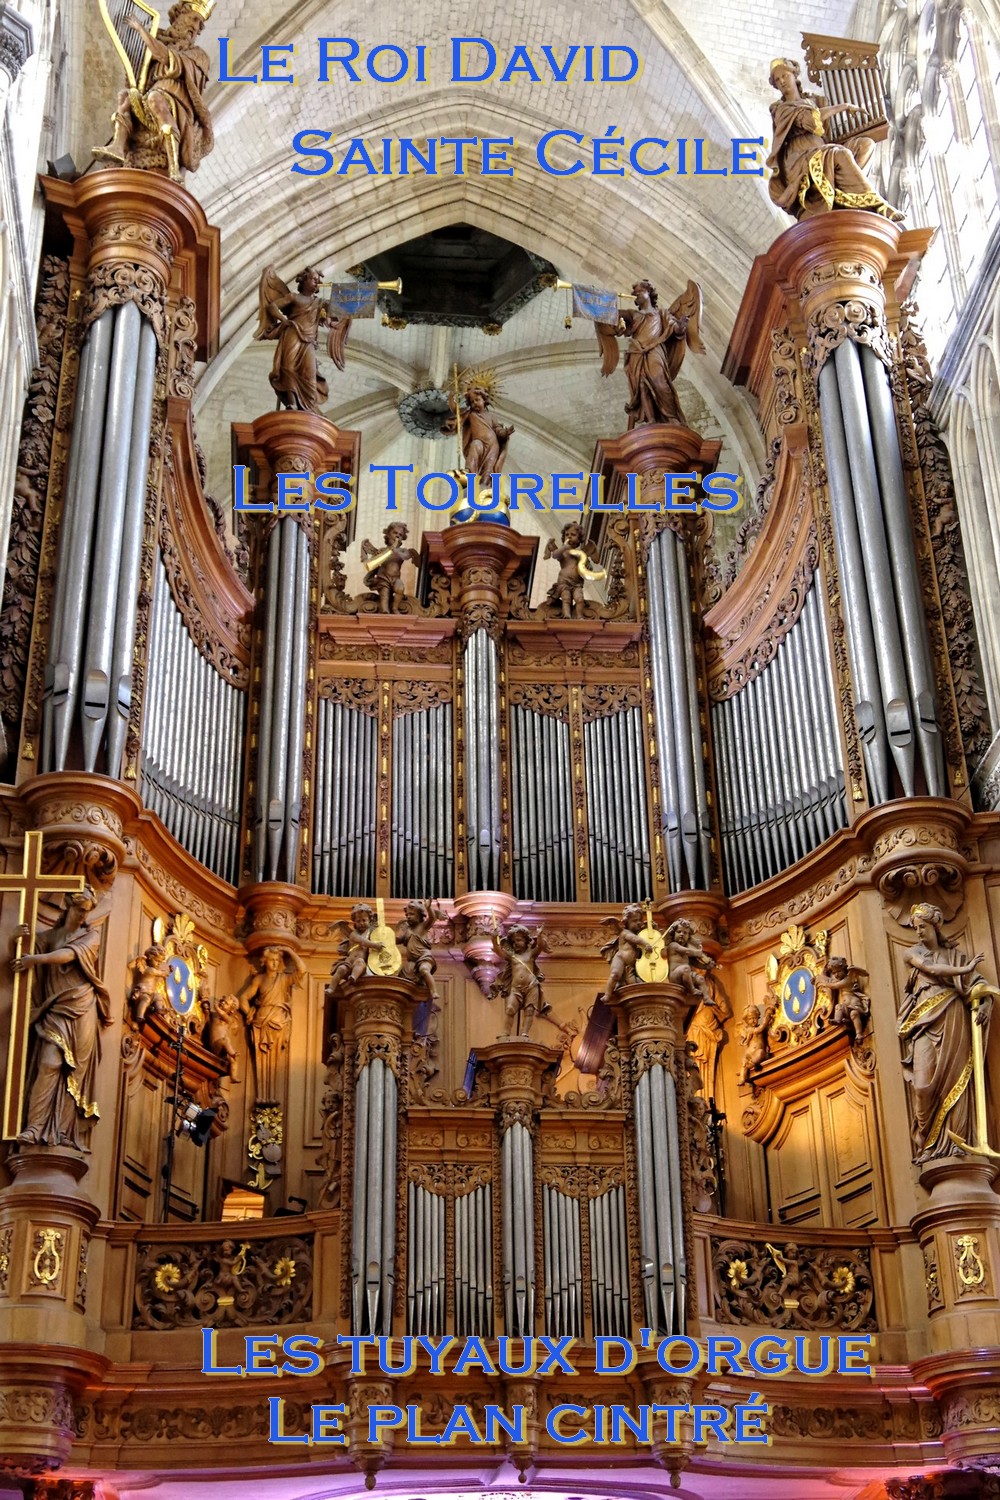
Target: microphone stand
{"x":168,"y":1170}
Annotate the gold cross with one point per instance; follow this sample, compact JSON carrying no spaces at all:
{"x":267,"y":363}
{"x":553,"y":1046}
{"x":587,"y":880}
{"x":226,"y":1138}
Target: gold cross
{"x":29,"y":883}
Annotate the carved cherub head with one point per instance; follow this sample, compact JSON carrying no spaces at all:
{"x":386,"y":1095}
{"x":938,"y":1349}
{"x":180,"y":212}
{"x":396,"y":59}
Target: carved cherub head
{"x":572,"y":533}
{"x":836,"y":967}
{"x":413,"y":912}
{"x":227,"y":1005}
{"x":519,"y":939}
{"x":477,"y":398}
{"x":395,"y":534}
{"x":362,"y":917}
{"x":633,"y":918}
{"x":681,"y":931}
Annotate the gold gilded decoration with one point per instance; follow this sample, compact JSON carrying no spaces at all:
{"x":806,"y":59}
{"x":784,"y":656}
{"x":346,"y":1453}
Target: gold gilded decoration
{"x":168,"y":977}
{"x":388,"y":959}
{"x":264,"y":1146}
{"x":932,"y":1282}
{"x":652,"y":965}
{"x":48,"y":1246}
{"x":6,"y":1237}
{"x":793,"y":1286}
{"x":968,"y":1262}
{"x":217,"y":1285}
{"x":628,"y":945}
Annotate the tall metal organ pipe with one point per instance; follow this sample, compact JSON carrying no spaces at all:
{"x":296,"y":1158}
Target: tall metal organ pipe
{"x":192,"y":780}
{"x":518,"y":1223}
{"x":895,"y":699}
{"x":661,"y":1221}
{"x":481,"y":671}
{"x":781,"y":784}
{"x":686,"y":820}
{"x":373,"y":1223}
{"x":281,"y":731}
{"x":88,"y":673}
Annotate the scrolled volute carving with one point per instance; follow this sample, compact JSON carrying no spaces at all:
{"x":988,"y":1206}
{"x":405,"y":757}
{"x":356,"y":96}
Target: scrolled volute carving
{"x":793,"y":1286}
{"x":113,"y":283}
{"x":230,"y":1284}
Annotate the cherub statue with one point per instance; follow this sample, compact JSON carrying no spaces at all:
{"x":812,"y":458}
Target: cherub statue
{"x":520,"y":983}
{"x":412,"y":934}
{"x":270,"y":1018}
{"x":808,"y":174}
{"x":167,"y":121}
{"x":484,"y":439}
{"x":354,"y":948}
{"x":752,"y":1034}
{"x":655,"y":353}
{"x":625,"y":948}
{"x":385,"y":567}
{"x":852,"y":1005}
{"x":218,"y":1034}
{"x":294,"y":318}
{"x":574,"y":557}
{"x":149,"y":991}
{"x":686,"y":959}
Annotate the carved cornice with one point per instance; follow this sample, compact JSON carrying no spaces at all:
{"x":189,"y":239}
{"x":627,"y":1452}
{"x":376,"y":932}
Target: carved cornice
{"x":16,"y":41}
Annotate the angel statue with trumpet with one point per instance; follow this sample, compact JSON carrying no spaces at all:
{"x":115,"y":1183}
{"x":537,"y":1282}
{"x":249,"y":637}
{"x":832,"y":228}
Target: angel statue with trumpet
{"x":294,"y":319}
{"x":658,"y":339}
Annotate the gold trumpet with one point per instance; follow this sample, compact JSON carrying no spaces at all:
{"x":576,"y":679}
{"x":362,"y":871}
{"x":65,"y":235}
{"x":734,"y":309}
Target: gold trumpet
{"x":567,"y":286}
{"x":383,"y":286}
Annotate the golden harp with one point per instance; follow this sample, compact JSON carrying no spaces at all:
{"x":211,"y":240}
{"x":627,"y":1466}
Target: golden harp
{"x":128,"y":43}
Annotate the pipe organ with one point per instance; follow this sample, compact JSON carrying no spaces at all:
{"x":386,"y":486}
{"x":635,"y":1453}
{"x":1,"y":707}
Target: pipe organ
{"x":480,"y":673}
{"x":88,"y":676}
{"x":781,"y":781}
{"x":192,"y":760}
{"x":542,"y":794}
{"x":344,"y":809}
{"x":616,"y":801}
{"x":422,"y":800}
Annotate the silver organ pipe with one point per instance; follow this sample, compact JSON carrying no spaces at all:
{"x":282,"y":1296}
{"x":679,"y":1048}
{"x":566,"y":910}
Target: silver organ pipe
{"x":281,"y":729}
{"x":542,"y":791}
{"x":616,"y":807}
{"x":562,"y":1263}
{"x":781,"y":781}
{"x":686,"y":818}
{"x":518,"y":1225}
{"x":345,"y":799}
{"x":423,"y":861}
{"x":661,"y":1223}
{"x":373,"y":1222}
{"x":609,"y":1263}
{"x":895,"y":697}
{"x":468,"y":1216}
{"x":482,"y":775}
{"x":193,"y":735}
{"x":88,"y":667}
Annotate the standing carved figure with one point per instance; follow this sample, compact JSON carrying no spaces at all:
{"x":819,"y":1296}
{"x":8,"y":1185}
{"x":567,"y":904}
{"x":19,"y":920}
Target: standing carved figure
{"x":71,"y":1006}
{"x":625,"y":949}
{"x":385,"y":567}
{"x":520,"y":983}
{"x":266,"y":1001}
{"x":688,"y":961}
{"x":484,"y":439}
{"x":657,"y":341}
{"x":573,"y":557}
{"x":149,"y":986}
{"x":752,"y":1035}
{"x":218,"y":1033}
{"x":412,"y":934}
{"x":354,"y":948}
{"x":294,"y":319}
{"x":935,"y":1028}
{"x":810,"y":175}
{"x":168,"y":117}
{"x":846,"y":984}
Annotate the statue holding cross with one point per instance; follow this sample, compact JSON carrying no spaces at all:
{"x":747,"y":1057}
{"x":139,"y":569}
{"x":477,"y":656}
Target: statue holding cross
{"x":71,"y":1006}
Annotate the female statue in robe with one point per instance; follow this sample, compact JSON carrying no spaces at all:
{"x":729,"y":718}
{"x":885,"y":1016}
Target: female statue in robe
{"x":294,"y":319}
{"x":810,"y":175}
{"x":70,"y":1010}
{"x":935,"y":1028}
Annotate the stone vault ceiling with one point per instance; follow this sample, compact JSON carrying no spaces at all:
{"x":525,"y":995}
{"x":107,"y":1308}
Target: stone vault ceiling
{"x":705,"y":74}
